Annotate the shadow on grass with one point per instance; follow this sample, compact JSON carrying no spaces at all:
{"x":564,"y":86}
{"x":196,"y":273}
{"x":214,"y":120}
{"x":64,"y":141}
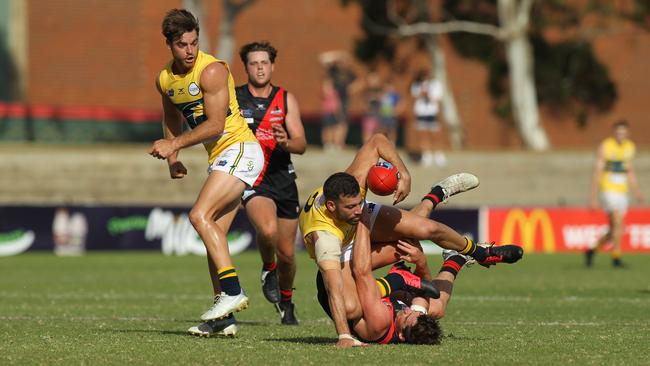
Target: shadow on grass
{"x":304,"y":340}
{"x":184,"y":332}
{"x":452,"y":338}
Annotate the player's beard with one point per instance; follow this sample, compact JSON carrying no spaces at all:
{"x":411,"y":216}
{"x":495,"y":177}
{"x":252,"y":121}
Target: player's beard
{"x":257,"y":84}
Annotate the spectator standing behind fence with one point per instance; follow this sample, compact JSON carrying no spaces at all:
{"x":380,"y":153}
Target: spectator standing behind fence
{"x":342,"y":77}
{"x":427,"y":94}
{"x":390,"y":101}
{"x":373,"y":94}
{"x":330,"y":109}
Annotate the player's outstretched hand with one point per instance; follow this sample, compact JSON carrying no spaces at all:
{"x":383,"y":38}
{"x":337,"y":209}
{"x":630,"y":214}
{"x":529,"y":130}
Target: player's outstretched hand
{"x":403,"y":188}
{"x":411,"y":251}
{"x":177,"y":170}
{"x":349,"y":343}
{"x":162,"y":149}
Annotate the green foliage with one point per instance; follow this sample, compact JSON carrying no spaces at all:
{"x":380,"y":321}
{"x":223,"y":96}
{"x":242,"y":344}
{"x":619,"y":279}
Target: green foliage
{"x":569,"y":78}
{"x":134,"y":308}
{"x":376,"y":42}
{"x":571,"y":72}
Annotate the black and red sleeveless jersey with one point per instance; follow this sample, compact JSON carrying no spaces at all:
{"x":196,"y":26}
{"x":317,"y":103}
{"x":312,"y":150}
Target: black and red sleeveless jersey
{"x":260,"y":114}
{"x":391,"y":335}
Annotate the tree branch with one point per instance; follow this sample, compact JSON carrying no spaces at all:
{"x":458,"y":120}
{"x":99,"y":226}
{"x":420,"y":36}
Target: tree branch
{"x":450,"y":27}
{"x":238,"y":6}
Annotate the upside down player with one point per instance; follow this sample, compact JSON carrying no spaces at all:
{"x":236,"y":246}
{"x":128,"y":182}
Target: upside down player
{"x":397,"y":316}
{"x":199,"y":89}
{"x":331,"y":213}
{"x":272,"y":203}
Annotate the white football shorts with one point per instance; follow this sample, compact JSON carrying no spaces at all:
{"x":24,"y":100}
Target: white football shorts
{"x":614,"y":201}
{"x":244,"y":160}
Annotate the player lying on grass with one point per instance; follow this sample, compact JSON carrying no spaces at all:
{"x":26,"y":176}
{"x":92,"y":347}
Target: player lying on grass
{"x":387,"y":310}
{"x":332,"y":211}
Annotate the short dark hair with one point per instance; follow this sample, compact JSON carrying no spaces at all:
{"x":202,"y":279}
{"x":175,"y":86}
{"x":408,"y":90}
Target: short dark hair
{"x":621,"y":123}
{"x":340,"y":184}
{"x":257,"y":46}
{"x":178,"y":21}
{"x":425,"y":331}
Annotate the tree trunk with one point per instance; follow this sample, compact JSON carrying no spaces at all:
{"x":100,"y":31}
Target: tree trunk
{"x":522,"y":83}
{"x":226,"y":43}
{"x":449,"y":110}
{"x":196,"y":7}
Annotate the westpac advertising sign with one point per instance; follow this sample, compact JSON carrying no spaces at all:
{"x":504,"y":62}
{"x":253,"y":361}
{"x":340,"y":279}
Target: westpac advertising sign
{"x":550,"y":230}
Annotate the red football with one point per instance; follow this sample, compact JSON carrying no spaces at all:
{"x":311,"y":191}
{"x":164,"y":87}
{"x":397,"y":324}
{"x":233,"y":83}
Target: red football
{"x":383,"y":179}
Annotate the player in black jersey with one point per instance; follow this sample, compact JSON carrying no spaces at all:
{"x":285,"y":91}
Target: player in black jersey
{"x":272,"y":204}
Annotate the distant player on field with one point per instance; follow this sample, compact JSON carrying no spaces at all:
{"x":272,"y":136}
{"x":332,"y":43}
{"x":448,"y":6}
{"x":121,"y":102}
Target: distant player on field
{"x":272,"y":203}
{"x":198,"y":89}
{"x":613,"y":176}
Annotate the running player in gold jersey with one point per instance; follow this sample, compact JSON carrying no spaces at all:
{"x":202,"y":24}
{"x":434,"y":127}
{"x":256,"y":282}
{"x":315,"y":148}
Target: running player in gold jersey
{"x":613,"y":176}
{"x":199,"y":89}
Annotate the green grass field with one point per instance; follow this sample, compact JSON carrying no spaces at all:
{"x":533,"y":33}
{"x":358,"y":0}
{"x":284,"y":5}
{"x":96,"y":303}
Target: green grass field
{"x":134,"y":308}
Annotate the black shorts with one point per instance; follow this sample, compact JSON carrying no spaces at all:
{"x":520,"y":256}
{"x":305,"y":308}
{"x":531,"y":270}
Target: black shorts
{"x":285,"y":199}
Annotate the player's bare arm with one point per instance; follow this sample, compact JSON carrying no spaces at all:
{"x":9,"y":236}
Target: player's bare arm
{"x":634,"y":183}
{"x":172,"y":127}
{"x":376,"y":316}
{"x":380,"y":147}
{"x":599,"y":167}
{"x":293,"y":139}
{"x":214,"y":85}
{"x":333,"y":279}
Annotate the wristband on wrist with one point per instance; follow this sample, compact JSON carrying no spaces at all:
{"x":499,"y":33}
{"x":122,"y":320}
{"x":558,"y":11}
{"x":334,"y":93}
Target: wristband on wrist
{"x":345,"y":336}
{"x":419,"y":308}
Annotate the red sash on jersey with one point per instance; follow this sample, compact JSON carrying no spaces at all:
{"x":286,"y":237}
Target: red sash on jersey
{"x":275,"y":113}
{"x":389,"y":335}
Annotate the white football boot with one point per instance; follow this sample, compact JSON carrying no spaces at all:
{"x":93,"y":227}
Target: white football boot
{"x":226,"y":327}
{"x":457,"y":183}
{"x":448,"y":253}
{"x":225,"y":304}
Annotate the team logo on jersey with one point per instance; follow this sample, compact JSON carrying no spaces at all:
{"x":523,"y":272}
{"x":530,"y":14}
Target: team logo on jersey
{"x":170,"y":92}
{"x":222,"y":163}
{"x":247,"y":113}
{"x":193,"y":89}
{"x":261,"y":107}
{"x":181,"y":91}
{"x":277,"y":110}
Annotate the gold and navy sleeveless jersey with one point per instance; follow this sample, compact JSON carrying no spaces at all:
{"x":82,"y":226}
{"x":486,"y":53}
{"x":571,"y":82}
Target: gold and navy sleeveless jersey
{"x":315,"y":217}
{"x":184,"y":90}
{"x":260,"y":114}
{"x":617,"y":159}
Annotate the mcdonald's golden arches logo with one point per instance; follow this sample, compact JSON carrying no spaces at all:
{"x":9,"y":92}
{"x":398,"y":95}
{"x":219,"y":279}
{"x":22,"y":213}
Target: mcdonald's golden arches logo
{"x":528,"y":224}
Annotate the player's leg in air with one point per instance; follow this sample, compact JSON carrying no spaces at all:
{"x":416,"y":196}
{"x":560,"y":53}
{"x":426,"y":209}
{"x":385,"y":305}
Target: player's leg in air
{"x":392,"y":224}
